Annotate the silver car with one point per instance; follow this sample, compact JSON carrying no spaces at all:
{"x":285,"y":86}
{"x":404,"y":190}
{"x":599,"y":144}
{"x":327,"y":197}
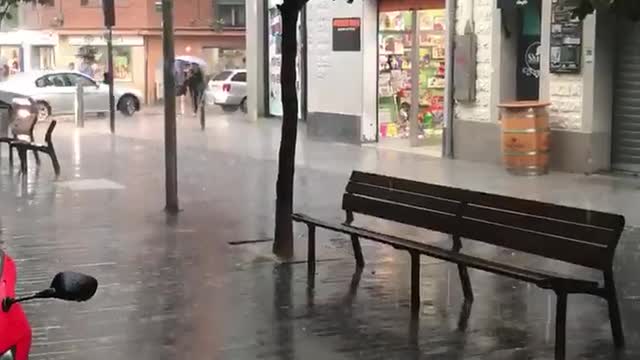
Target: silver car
{"x":55,"y":91}
{"x":229,"y":90}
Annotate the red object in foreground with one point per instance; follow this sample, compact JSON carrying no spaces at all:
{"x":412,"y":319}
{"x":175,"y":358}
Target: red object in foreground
{"x":15,"y":332}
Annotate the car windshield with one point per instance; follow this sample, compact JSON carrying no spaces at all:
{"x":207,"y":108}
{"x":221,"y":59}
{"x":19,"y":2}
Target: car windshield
{"x":222,"y":76}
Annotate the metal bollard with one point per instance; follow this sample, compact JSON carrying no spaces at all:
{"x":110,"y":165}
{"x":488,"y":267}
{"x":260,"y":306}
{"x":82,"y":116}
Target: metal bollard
{"x":79,"y":106}
{"x":203,"y":105}
{"x":5,"y":120}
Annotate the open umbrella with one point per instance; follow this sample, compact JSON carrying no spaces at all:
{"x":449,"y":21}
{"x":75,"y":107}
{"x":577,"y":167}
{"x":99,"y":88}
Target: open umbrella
{"x":191,"y":60}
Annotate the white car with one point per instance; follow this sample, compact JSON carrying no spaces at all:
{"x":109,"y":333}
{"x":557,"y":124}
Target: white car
{"x":55,"y":91}
{"x":229,"y":90}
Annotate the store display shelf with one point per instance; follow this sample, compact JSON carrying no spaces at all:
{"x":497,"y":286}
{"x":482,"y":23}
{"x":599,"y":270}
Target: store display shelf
{"x":392,"y":32}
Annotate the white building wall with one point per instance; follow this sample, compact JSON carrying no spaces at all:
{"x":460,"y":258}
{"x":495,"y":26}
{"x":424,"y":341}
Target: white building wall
{"x":335,"y":79}
{"x":480,"y":14}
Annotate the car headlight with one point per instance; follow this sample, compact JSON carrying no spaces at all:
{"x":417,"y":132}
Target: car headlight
{"x":21,"y":101}
{"x":22,"y":114}
{"x":8,"y":355}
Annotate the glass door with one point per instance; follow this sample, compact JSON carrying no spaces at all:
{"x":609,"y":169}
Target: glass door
{"x":430,"y":74}
{"x":411,"y":57}
{"x":395,"y":41}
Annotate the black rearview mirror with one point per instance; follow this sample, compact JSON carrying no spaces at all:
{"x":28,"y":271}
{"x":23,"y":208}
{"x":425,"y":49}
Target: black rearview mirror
{"x":72,"y":286}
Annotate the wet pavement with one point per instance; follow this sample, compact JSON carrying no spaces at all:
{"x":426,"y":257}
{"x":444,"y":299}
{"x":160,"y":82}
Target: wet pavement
{"x":173,"y":287}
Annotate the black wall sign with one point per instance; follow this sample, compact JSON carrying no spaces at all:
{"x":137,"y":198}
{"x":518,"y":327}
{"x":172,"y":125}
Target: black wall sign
{"x":346,"y":34}
{"x":566,"y":38}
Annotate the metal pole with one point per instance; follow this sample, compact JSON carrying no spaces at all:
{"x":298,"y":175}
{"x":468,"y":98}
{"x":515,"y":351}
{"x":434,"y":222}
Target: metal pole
{"x":447,"y":148}
{"x":112,"y":105}
{"x":203,"y":104}
{"x":414,"y":129}
{"x":79,"y":106}
{"x":170,"y":138}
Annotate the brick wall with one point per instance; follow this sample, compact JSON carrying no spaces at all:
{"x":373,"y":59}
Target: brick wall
{"x":566,"y":101}
{"x":130,"y":14}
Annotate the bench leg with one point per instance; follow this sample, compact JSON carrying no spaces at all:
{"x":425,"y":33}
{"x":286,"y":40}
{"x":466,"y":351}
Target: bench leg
{"x":357,"y":251}
{"x":54,"y":160}
{"x":311,"y":250}
{"x":614,"y":312}
{"x":467,"y":289}
{"x":11,"y":155}
{"x":36,"y":156}
{"x":22,"y":154}
{"x":415,"y":282}
{"x":561,"y":325}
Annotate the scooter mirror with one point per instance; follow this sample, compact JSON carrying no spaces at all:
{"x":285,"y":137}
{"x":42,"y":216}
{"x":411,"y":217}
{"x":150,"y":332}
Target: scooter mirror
{"x":72,"y":286}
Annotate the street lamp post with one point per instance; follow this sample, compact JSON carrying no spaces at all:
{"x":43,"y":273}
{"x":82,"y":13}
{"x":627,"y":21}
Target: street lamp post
{"x":109,"y":10}
{"x":112,"y":100}
{"x":170,"y":138}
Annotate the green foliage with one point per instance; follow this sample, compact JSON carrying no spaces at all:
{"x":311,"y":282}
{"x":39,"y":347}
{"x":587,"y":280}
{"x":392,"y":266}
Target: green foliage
{"x":625,"y":8}
{"x":7,"y":5}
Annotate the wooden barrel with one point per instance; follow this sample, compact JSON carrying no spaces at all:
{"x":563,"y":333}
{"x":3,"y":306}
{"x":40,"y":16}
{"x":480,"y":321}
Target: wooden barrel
{"x":525,"y":137}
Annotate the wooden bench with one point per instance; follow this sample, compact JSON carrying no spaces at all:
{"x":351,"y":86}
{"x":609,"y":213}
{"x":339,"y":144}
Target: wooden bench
{"x":576,"y":236}
{"x":22,"y":146}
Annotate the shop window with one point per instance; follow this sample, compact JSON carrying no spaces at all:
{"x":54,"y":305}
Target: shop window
{"x":11,"y":58}
{"x":98,"y":3}
{"x":122,"y":63}
{"x":231,"y":13}
{"x":42,"y":58}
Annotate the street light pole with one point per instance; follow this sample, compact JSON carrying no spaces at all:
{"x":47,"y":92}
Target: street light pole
{"x":170,"y":138}
{"x":109,"y":10}
{"x":112,"y":100}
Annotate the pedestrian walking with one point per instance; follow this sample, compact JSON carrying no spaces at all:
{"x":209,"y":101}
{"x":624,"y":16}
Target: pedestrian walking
{"x":196,"y":85}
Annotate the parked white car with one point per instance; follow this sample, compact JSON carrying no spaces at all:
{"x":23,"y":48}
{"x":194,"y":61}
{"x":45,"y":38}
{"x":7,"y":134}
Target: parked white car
{"x":55,"y":91}
{"x":229,"y":90}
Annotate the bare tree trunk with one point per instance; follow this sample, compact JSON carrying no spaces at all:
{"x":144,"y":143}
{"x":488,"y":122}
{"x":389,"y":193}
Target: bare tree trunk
{"x":283,"y":242}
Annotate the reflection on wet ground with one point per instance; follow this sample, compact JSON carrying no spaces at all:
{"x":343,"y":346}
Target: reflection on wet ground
{"x":175,"y":288}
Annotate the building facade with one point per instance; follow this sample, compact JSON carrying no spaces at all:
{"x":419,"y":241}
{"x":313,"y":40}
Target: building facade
{"x":362,"y":64}
{"x":212,"y":30}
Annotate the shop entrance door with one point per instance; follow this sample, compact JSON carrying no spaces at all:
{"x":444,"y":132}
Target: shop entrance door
{"x":411,"y":78}
{"x":626,"y":109}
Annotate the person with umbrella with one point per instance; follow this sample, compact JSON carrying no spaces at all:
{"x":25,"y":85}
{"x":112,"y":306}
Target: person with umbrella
{"x":196,"y":84}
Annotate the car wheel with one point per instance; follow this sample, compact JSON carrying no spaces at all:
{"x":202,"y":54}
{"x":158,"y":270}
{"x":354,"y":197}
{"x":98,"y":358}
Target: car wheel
{"x":128,"y":105}
{"x":243,"y":106}
{"x":44,"y":111}
{"x":229,"y":108}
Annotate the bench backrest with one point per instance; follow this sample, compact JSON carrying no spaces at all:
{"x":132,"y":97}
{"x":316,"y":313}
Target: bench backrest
{"x":576,"y":236}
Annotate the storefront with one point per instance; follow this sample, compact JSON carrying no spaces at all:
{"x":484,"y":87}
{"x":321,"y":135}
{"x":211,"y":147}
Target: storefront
{"x":25,"y":50}
{"x":411,"y":52}
{"x":364,"y":61}
{"x":128,"y":51}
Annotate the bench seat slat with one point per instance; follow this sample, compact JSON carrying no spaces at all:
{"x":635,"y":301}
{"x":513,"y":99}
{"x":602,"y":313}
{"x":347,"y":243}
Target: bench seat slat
{"x":542,"y":278}
{"x":572,"y":251}
{"x":569,"y":214}
{"x":403,"y":197}
{"x":521,"y":219}
{"x":591,"y":234}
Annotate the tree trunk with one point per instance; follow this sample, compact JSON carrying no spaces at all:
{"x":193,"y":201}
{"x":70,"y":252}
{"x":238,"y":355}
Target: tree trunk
{"x":283,"y":241}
